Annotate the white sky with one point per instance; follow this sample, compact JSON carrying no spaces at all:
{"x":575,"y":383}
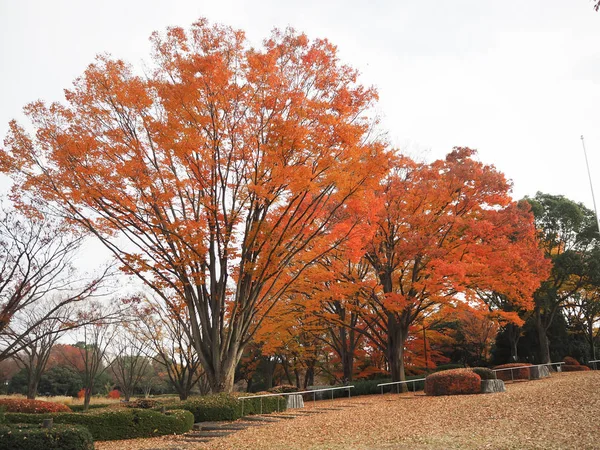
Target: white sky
{"x":519,"y":80}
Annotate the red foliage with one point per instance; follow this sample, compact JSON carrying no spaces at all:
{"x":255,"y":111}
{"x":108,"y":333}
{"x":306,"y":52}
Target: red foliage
{"x":32,"y":406}
{"x":570,"y":361}
{"x":115,"y":394}
{"x":574,"y":368}
{"x":81,"y":394}
{"x":516,"y":374}
{"x":453,"y":382}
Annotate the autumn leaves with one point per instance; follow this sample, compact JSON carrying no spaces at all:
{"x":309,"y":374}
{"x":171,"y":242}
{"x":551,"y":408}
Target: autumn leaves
{"x":237,"y":181}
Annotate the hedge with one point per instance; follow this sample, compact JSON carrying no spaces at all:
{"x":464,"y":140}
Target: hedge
{"x":570,"y":361}
{"x":32,"y":437}
{"x":283,"y":389}
{"x":120,"y":423}
{"x":223,"y":406}
{"x":574,"y":368}
{"x":453,"y":382}
{"x":484,"y":373}
{"x":79,"y":408}
{"x":32,"y":406}
{"x":515,"y":374}
{"x":143,"y":403}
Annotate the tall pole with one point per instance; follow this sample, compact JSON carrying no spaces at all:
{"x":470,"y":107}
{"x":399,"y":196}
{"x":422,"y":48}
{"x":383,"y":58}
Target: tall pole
{"x":591,"y":185}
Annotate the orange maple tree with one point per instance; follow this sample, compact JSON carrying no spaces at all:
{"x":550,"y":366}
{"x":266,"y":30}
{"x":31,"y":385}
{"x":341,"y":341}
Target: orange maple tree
{"x":445,"y":231}
{"x":216,"y":178}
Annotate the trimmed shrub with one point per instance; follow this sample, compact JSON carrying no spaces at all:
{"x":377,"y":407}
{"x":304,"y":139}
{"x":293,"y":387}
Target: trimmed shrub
{"x":119,"y":423}
{"x":283,"y":389}
{"x":443,"y":367}
{"x":32,"y":437}
{"x":143,"y":403}
{"x":14,"y":405}
{"x":114,"y":394}
{"x":574,"y":368}
{"x":515,"y":374}
{"x":228,"y":406}
{"x":453,"y":382}
{"x":569,"y":361}
{"x":79,"y":408}
{"x":484,"y":373}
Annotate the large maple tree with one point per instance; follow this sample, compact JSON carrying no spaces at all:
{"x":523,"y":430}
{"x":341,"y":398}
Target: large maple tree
{"x":446,"y":231}
{"x":216,"y":178}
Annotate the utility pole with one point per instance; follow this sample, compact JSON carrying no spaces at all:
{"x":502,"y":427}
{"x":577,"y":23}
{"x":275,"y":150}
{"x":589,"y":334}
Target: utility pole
{"x":591,"y":185}
{"x":595,"y":211}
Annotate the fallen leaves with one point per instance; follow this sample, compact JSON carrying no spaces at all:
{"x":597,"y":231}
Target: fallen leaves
{"x":559,"y":412}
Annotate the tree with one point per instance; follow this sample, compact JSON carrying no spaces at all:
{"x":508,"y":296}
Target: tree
{"x":444,"y":231}
{"x":583,"y":312}
{"x":37,"y":274}
{"x":8,"y":368}
{"x":61,"y":380}
{"x":44,"y":330}
{"x":90,"y":358}
{"x":225,"y":170}
{"x":568,"y":235}
{"x":336,"y":288}
{"x":129,"y":363}
{"x":168,"y":341}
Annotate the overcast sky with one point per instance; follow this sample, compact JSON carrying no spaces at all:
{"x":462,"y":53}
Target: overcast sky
{"x":519,"y":80}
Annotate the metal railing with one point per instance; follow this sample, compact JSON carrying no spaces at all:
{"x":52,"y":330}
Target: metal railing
{"x":314,"y":392}
{"x":398,"y":383}
{"x":512,"y":375}
{"x":594,"y":362}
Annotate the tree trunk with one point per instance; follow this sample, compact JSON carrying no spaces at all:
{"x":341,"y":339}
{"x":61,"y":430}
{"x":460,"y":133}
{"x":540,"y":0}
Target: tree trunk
{"x":86,"y":399}
{"x":543,"y":338}
{"x":309,"y":376}
{"x":514,"y":334}
{"x":347,"y":365}
{"x":32,"y":387}
{"x":270,"y":371}
{"x":396,"y":337}
{"x":297,"y":374}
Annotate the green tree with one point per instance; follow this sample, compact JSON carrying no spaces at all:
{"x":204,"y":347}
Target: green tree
{"x":61,"y":380}
{"x":568,"y":234}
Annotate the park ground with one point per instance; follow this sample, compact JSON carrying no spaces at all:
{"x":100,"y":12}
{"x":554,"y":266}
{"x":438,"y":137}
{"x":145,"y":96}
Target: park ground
{"x":561,"y":412}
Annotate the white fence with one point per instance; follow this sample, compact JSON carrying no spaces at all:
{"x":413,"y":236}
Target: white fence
{"x":398,"y":383}
{"x":314,"y":392}
{"x":512,"y":369}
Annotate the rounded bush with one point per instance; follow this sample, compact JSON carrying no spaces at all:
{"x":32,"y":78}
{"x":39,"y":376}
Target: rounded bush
{"x":453,"y":382}
{"x":32,"y":437}
{"x":484,"y":373}
{"x":570,"y":361}
{"x":574,"y":368}
{"x":515,"y":374}
{"x":14,"y":405}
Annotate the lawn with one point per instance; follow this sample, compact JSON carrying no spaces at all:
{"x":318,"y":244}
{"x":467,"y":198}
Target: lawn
{"x":560,"y":412}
